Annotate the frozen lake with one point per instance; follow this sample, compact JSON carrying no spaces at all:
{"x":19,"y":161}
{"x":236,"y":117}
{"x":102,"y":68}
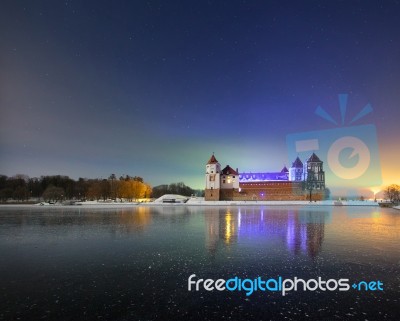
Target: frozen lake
{"x":76,"y":263}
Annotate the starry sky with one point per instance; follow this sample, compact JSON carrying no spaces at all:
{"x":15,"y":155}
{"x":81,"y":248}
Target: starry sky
{"x":153,"y":88}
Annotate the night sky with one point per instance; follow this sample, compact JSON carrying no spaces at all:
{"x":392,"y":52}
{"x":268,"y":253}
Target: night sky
{"x":153,"y":88}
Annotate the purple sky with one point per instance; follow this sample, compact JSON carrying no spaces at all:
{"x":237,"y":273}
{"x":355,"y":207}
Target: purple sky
{"x":90,"y":88}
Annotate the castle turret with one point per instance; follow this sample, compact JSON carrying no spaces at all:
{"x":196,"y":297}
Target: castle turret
{"x":285,"y":170}
{"x":230,"y":178}
{"x":296,"y":171}
{"x":213,"y":179}
{"x":315,"y":168}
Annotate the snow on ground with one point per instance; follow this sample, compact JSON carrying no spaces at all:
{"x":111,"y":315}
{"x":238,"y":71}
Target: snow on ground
{"x":180,"y":200}
{"x":201,"y":201}
{"x":171,"y":198}
{"x":90,"y":204}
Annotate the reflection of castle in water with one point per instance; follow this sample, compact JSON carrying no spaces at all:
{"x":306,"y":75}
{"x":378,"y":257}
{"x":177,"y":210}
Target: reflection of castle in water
{"x":302,"y":231}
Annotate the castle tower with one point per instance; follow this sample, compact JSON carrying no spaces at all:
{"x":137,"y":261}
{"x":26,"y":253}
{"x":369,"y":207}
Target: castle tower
{"x":230,"y":178}
{"x":213,"y":180}
{"x":296,"y":171}
{"x":315,"y":168}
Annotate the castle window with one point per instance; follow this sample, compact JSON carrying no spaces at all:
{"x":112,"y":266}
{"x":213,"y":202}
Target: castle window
{"x":223,"y":181}
{"x":233,"y":176}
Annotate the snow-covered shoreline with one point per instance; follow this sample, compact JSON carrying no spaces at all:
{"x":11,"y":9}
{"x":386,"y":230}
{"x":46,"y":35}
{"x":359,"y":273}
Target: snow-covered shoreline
{"x":199,"y":202}
{"x":179,"y":200}
{"x":284,"y":203}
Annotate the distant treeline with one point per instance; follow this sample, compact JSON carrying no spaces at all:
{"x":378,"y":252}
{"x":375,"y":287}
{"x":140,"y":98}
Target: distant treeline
{"x":57,"y":187}
{"x":392,"y":193}
{"x":175,"y":188}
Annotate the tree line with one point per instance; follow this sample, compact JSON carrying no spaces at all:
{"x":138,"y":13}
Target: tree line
{"x":58,"y":187}
{"x":175,"y":188}
{"x":392,"y":193}
{"x":55,"y":188}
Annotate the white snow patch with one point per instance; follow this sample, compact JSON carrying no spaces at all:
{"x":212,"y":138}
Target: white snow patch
{"x":171,"y":198}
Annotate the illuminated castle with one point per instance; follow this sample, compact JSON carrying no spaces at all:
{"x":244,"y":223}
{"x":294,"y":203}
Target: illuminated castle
{"x":288,"y":184}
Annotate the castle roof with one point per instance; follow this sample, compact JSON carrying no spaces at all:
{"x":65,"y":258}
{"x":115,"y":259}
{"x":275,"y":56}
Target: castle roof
{"x":284,"y":170}
{"x":297,"y":163}
{"x":263,"y":177}
{"x":229,"y":171}
{"x":313,"y":158}
{"x":212,"y":160}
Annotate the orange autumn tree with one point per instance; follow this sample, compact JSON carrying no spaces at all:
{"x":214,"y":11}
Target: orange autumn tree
{"x":132,"y":188}
{"x":392,"y":193}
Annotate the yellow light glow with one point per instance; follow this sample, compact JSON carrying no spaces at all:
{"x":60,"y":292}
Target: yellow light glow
{"x":375,"y":189}
{"x":229,"y":227}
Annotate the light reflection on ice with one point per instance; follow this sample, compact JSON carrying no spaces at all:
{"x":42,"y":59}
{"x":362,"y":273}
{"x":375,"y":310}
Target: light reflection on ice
{"x":78,"y":261}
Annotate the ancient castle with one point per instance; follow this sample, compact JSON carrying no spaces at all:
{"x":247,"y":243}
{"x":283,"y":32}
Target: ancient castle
{"x":294,"y":183}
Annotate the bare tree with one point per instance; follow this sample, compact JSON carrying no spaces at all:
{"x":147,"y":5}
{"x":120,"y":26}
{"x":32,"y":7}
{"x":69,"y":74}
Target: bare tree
{"x":53,"y":193}
{"x":113,"y":189}
{"x":392,"y":193}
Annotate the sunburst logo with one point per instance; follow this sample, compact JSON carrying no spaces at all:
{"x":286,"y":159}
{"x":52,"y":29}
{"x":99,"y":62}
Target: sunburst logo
{"x":343,"y":109}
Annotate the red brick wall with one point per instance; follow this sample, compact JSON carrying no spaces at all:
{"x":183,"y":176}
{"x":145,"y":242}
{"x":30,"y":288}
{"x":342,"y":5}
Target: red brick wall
{"x":212,"y":194}
{"x":264,"y":191}
{"x":272,"y":191}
